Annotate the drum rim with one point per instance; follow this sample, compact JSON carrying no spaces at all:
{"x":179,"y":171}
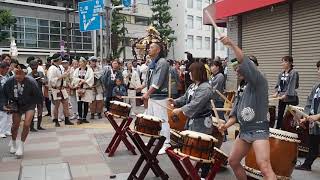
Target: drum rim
{"x":175,"y":133}
{"x":258,"y":175}
{"x":220,"y":151}
{"x":116,"y":115}
{"x":206,"y":136}
{"x":177,"y":151}
{"x":120,"y":103}
{"x":145,"y":134}
{"x":283,"y":133}
{"x":146,"y":116}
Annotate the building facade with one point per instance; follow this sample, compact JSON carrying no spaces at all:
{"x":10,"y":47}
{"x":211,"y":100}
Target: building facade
{"x":273,"y":31}
{"x":191,"y":34}
{"x":40,"y":28}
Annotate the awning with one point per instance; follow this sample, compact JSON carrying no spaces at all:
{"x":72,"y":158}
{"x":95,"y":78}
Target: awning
{"x":226,"y":8}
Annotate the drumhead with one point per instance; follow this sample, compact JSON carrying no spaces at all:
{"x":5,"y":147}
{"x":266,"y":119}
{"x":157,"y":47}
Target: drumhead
{"x":149,"y":117}
{"x":195,"y":135}
{"x":258,"y":175}
{"x":278,"y":132}
{"x":120,"y":104}
{"x":216,"y":121}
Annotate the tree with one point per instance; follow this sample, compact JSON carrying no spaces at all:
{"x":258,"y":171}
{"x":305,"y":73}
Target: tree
{"x":161,"y":18}
{"x":118,"y":30}
{"x":6,"y":21}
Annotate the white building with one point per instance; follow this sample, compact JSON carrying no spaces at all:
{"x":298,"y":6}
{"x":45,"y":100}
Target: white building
{"x":191,"y":34}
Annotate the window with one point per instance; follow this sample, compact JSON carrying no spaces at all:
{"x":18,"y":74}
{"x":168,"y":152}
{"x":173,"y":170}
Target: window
{"x":199,"y":23}
{"x":206,"y":3}
{"x":207,"y":42}
{"x":199,"y":4}
{"x":199,"y":42}
{"x":147,"y":2}
{"x":190,"y":42}
{"x":190,"y":4}
{"x":190,"y":22}
{"x":142,"y":20}
{"x":206,"y":27}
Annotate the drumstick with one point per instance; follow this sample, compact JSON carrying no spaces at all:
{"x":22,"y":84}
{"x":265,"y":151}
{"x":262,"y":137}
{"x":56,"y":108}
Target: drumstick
{"x":274,"y":98}
{"x":214,"y":24}
{"x":223,"y":97}
{"x":161,"y":105}
{"x":214,"y":109}
{"x":223,"y":109}
{"x":131,"y":97}
{"x":297,"y":111}
{"x":169,"y":85}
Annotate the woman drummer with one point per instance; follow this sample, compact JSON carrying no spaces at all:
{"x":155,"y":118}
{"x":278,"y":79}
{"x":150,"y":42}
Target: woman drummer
{"x":195,"y":104}
{"x":288,"y":82}
{"x":312,"y":108}
{"x":250,"y":111}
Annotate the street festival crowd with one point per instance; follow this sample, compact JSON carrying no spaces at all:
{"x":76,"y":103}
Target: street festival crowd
{"x":77,"y":90}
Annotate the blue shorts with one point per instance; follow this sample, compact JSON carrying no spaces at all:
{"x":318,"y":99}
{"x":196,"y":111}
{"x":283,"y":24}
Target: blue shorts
{"x":251,"y":136}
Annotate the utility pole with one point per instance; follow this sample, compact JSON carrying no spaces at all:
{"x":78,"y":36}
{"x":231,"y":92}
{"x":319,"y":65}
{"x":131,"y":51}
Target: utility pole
{"x":107,"y":4}
{"x":67,"y":27}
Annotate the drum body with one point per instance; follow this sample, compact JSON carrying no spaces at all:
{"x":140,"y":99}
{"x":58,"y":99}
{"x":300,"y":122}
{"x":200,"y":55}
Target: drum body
{"x":120,"y":109}
{"x":175,"y":139}
{"x":272,"y":116}
{"x":177,"y":122}
{"x":198,"y":146}
{"x":148,"y":125}
{"x":216,"y":133}
{"x":283,"y":153}
{"x":220,"y":156}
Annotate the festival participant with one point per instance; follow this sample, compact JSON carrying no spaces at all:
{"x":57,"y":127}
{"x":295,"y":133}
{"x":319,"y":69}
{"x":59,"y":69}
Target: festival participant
{"x":58,"y":85}
{"x":39,"y":77}
{"x":108,"y":78}
{"x":22,"y":94}
{"x":97,"y":102}
{"x":196,"y":105}
{"x":288,"y":82}
{"x":132,"y":81}
{"x":250,"y":110}
{"x":217,"y":83}
{"x":157,"y":85}
{"x":5,"y":118}
{"x":312,"y":108}
{"x":83,"y":79}
{"x":72,"y":94}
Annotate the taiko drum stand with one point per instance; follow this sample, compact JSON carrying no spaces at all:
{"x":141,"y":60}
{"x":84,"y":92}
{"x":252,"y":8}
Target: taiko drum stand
{"x":187,"y":170}
{"x":147,"y":155}
{"x":120,"y":135}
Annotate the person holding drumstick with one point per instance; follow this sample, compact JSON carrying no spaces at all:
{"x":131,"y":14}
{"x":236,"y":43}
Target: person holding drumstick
{"x":195,"y":104}
{"x":250,"y":111}
{"x":312,"y":109}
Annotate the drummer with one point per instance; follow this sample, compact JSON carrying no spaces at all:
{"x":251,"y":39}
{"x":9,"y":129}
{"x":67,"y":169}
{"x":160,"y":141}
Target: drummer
{"x":312,"y":108}
{"x":195,"y":104}
{"x":251,"y":114}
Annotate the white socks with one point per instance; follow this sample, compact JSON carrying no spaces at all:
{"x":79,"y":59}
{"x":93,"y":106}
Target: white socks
{"x":13,"y":146}
{"x":20,"y":149}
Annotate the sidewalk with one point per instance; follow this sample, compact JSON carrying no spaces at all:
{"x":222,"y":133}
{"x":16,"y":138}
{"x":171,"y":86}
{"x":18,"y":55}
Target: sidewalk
{"x":54,"y":147}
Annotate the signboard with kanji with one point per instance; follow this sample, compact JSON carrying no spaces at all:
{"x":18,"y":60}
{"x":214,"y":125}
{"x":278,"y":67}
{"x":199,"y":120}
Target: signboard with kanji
{"x":90,"y":15}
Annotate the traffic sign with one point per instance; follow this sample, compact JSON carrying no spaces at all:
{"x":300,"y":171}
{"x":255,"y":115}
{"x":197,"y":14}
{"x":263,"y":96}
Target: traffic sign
{"x":126,"y":3}
{"x":90,"y":14}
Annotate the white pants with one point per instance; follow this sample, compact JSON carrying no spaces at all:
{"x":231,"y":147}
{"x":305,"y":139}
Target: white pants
{"x":60,"y":111}
{"x":155,"y":110}
{"x":5,"y":122}
{"x":74,"y":104}
{"x":132,"y":101}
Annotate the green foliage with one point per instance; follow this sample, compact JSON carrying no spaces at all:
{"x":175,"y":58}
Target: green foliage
{"x":6,"y":21}
{"x":161,"y":18}
{"x":118,"y":30}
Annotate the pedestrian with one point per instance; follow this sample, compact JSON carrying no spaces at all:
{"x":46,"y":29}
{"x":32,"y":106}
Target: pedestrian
{"x":288,"y":82}
{"x":83,"y":79}
{"x":22,"y":94}
{"x":250,"y":111}
{"x":312,"y":109}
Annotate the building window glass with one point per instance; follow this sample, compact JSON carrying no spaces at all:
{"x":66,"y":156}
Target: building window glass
{"x":199,"y":4}
{"x":146,"y":2}
{"x":199,"y":23}
{"x":199,"y":42}
{"x":207,"y":42}
{"x":141,"y":20}
{"x":190,"y":42}
{"x":190,"y":4}
{"x":190,"y":22}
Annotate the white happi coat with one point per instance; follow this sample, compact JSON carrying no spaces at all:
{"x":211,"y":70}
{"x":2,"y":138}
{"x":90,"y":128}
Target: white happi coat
{"x":54,"y":83}
{"x":89,"y":79}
